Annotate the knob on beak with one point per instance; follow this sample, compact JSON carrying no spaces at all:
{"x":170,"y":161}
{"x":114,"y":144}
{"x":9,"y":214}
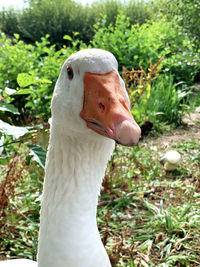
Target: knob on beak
{"x":105,"y":108}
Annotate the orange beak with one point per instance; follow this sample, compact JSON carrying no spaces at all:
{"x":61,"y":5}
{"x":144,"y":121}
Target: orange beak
{"x":105,"y":108}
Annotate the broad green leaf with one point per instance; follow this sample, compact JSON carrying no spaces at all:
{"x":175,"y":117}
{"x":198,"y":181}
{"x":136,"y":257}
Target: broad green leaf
{"x":67,"y":37}
{"x":16,"y":36}
{"x":39,"y":154}
{"x":76,"y":33}
{"x":14,"y":131}
{"x":4,"y":160}
{"x":23,"y":92}
{"x":25,"y":80}
{"x":8,"y":107}
{"x":44,"y":81}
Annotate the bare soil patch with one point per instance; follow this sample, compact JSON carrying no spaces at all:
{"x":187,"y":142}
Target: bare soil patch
{"x":190,"y":130}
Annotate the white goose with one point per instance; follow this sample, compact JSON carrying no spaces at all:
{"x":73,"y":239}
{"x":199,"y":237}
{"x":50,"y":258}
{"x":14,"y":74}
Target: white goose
{"x":90,"y":109}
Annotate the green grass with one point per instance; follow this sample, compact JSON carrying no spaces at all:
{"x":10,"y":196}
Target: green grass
{"x":156,"y":216}
{"x":166,"y":105}
{"x":150,"y":217}
{"x":146,"y":217}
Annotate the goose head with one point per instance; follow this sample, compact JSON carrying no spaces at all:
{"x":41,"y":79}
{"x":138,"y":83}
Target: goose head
{"x":90,"y":99}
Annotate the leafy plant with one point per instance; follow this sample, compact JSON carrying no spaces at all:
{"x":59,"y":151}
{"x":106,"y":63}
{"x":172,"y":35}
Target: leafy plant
{"x":185,"y":13}
{"x":64,"y":17}
{"x":35,"y":70}
{"x":167,"y":103}
{"x":146,"y":217}
{"x":18,"y":135}
{"x":138,"y":81}
{"x":135,"y":45}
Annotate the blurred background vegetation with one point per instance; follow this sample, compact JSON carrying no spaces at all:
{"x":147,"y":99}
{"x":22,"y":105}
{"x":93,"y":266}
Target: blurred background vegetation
{"x":37,"y":39}
{"x":34,"y":43}
{"x":60,"y":17}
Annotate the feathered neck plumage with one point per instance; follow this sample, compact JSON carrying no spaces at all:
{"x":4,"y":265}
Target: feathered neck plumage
{"x":74,"y":171}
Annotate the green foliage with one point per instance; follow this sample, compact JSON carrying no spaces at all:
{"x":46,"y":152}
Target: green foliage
{"x":31,"y":71}
{"x":34,"y":69}
{"x":39,"y":154}
{"x":142,"y":209}
{"x":9,"y":108}
{"x":167,"y":103}
{"x":15,"y":57}
{"x":132,"y":205}
{"x":57,"y":18}
{"x":9,"y":21}
{"x":140,"y":44}
{"x":148,"y":209}
{"x":61,"y":17}
{"x":140,"y":202}
{"x":11,"y":135}
{"x":23,"y":213}
{"x":137,"y":11}
{"x":185,"y":13}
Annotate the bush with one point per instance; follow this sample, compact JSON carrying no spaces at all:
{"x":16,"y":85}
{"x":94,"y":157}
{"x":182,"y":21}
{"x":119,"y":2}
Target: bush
{"x":9,"y":21}
{"x":167,"y":103}
{"x":56,"y":18}
{"x":37,"y":66}
{"x":15,"y":57}
{"x":140,"y":44}
{"x":60,"y":17}
{"x":41,"y":66}
{"x":184,"y":13}
{"x":137,"y":11}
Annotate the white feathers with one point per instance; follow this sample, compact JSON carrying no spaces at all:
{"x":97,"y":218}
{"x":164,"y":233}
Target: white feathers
{"x":75,"y":166}
{"x":76,"y":162}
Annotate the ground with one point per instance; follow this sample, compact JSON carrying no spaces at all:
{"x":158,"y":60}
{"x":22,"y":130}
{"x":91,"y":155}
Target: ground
{"x":153,"y":216}
{"x":190,"y":131}
{"x":146,"y":216}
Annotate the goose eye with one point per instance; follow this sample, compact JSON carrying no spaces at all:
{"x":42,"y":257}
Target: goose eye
{"x":70,"y":73}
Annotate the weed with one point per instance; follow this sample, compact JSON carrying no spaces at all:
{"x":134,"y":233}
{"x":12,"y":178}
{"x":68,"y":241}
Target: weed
{"x":140,"y":80}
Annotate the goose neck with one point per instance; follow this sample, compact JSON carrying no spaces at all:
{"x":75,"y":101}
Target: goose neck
{"x":74,"y":172}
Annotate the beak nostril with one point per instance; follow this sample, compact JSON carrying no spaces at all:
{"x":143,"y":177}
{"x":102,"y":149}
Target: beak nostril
{"x":101,"y":106}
